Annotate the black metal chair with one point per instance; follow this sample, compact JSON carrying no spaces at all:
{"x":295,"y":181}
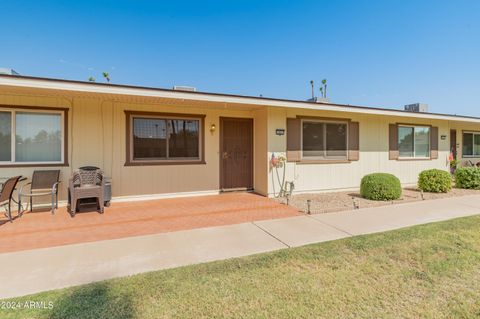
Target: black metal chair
{"x":6,"y":195}
{"x":44,"y":183}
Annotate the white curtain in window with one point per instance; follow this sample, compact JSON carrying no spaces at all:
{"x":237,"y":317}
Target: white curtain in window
{"x":38,"y":137}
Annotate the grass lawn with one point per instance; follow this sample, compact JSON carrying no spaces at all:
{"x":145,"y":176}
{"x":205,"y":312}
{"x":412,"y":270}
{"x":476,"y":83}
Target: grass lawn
{"x":429,"y":271}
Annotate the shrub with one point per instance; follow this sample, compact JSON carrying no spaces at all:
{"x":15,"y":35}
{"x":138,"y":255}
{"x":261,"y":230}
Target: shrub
{"x":380,"y":186}
{"x":435,"y":181}
{"x":467,"y":177}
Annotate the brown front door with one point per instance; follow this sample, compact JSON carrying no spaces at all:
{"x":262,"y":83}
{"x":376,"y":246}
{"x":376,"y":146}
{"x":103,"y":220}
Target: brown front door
{"x":236,"y":153}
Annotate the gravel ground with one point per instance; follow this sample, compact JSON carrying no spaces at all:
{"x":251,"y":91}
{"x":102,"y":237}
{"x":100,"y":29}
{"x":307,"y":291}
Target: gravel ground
{"x":339,"y":201}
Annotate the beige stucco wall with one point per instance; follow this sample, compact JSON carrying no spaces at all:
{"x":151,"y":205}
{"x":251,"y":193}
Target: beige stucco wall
{"x":97,"y":136}
{"x":260,"y":151}
{"x":373,"y":153}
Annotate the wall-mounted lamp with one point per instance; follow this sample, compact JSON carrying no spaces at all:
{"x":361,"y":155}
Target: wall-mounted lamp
{"x":213,"y":127}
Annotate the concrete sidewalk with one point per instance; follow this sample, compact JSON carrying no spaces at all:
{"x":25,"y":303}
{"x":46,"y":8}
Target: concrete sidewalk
{"x":31,"y":271}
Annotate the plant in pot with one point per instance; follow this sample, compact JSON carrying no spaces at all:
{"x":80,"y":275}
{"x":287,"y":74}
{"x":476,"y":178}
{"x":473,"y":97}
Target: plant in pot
{"x":453,"y":163}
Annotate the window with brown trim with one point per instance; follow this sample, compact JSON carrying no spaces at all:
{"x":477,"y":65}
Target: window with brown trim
{"x":32,"y":137}
{"x":471,"y":144}
{"x":413,"y":141}
{"x":160,"y":138}
{"x":324,"y":139}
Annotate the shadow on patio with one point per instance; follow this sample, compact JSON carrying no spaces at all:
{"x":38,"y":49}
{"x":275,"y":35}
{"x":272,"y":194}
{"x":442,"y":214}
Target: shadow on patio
{"x":39,"y":230}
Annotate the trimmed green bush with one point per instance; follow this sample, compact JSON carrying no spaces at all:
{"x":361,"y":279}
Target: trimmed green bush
{"x":467,"y":177}
{"x":435,"y":181}
{"x":380,"y":186}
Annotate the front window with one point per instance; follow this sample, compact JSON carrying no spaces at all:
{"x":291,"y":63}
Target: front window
{"x":31,"y":137}
{"x":165,"y":139}
{"x":324,"y":140}
{"x":471,"y":144}
{"x":414,"y":141}
{"x":5,"y":136}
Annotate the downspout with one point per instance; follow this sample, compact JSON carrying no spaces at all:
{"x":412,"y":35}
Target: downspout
{"x":70,"y":121}
{"x":112,"y":102}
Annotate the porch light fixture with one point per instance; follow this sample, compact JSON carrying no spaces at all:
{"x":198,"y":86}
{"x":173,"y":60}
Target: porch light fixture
{"x":213,"y":127}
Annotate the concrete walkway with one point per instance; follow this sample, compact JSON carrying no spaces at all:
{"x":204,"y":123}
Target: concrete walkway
{"x":31,"y":271}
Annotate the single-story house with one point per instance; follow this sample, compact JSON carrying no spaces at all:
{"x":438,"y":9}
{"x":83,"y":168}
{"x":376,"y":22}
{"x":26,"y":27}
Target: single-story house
{"x":159,"y":142}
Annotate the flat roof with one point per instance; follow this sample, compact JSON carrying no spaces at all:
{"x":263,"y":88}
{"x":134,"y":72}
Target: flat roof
{"x":123,"y":89}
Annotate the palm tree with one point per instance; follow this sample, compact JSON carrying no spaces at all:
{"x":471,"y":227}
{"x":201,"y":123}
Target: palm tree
{"x":106,"y":76}
{"x":324,"y":82}
{"x":91,"y":79}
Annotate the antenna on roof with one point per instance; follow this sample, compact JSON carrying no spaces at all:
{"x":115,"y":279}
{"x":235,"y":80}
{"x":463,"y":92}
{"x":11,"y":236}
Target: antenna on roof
{"x":313,"y":93}
{"x":106,"y":75}
{"x":324,"y":89}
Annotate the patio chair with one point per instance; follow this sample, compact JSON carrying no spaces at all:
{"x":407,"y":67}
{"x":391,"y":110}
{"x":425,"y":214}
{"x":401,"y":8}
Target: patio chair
{"x":6,"y":195}
{"x":44,"y":183}
{"x":86,"y":183}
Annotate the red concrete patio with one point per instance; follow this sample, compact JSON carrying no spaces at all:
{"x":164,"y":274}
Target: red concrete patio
{"x":41,"y":229}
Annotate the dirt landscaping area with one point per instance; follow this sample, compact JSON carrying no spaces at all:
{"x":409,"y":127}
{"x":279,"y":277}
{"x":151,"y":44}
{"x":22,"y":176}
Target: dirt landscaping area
{"x":339,"y":201}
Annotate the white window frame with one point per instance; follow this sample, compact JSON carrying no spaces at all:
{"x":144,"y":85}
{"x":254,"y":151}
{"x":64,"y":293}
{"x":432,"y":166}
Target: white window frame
{"x":166,"y":160}
{"x":429,"y":142}
{"x":13,"y":112}
{"x":473,"y":145}
{"x":325,"y":157}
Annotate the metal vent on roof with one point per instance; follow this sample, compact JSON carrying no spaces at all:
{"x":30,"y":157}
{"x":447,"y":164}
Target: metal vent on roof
{"x":185,"y":88}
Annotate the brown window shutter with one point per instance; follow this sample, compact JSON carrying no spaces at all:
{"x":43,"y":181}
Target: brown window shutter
{"x":434,"y":142}
{"x":393,"y":142}
{"x":294,"y":149}
{"x":354,"y":141}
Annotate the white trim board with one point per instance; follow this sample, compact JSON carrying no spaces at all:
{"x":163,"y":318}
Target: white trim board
{"x":65,"y":85}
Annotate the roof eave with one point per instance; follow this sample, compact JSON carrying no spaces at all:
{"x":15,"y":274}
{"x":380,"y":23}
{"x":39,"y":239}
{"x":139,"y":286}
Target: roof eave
{"x":116,"y":89}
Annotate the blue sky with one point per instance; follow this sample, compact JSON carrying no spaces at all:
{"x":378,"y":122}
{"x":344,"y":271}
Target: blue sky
{"x":376,"y":53}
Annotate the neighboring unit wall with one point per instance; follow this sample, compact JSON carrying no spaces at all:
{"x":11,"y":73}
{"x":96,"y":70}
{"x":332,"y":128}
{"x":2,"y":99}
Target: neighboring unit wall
{"x":374,"y":153}
{"x":460,"y":127}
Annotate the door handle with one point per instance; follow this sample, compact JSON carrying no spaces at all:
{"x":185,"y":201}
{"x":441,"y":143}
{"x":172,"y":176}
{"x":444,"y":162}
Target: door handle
{"x":225,"y":155}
